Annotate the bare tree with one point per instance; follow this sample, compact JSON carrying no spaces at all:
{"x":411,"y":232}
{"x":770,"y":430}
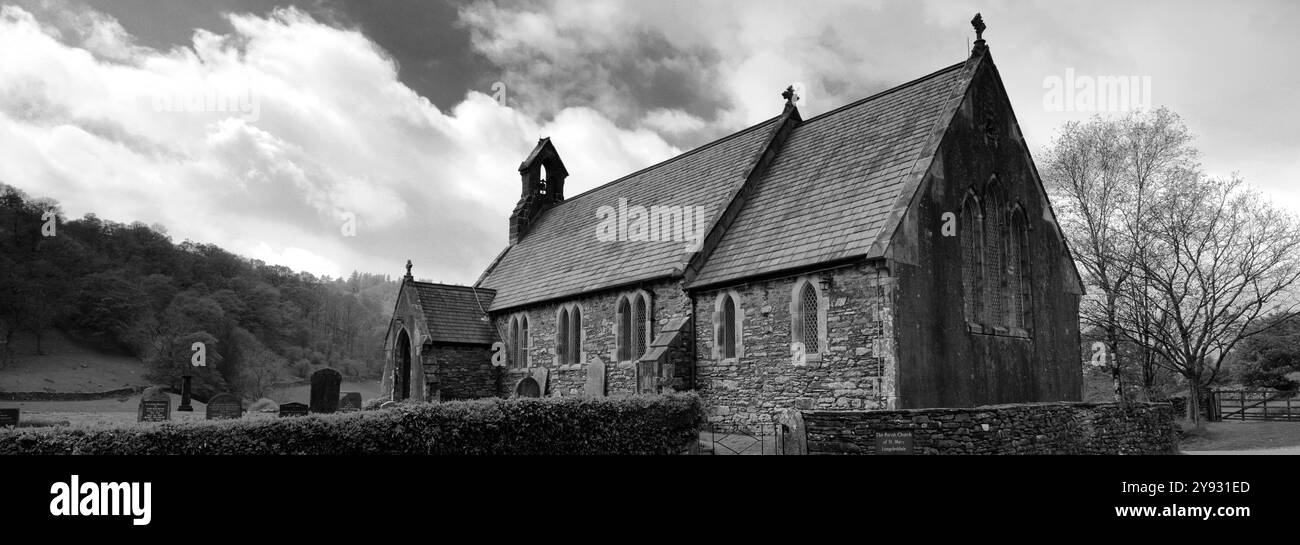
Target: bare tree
{"x":1214,"y":259}
{"x":1100,"y":175}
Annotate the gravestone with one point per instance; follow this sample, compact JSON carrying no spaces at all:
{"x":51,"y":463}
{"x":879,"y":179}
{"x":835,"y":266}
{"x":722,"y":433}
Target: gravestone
{"x":540,"y":374}
{"x":185,"y":395}
{"x":350,"y":402}
{"x":224,"y":406}
{"x":325,"y":391}
{"x":8,"y":418}
{"x":595,"y":386}
{"x":293,"y":409}
{"x":155,"y":406}
{"x":528,"y":388}
{"x":894,"y":442}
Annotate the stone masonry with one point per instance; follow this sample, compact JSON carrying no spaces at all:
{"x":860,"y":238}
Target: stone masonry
{"x":667,"y":301}
{"x":1031,"y":428}
{"x":855,"y":371}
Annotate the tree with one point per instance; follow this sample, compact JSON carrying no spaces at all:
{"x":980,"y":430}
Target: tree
{"x":1215,"y":259}
{"x":173,"y":360}
{"x":106,"y":304}
{"x":1101,"y":176}
{"x":1272,"y":358}
{"x":41,"y":299}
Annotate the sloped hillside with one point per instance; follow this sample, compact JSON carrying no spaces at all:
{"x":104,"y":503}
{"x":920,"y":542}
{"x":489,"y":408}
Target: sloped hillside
{"x":68,"y":366}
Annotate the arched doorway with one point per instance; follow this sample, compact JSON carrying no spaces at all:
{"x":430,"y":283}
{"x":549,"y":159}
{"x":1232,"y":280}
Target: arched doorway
{"x":402,"y":382}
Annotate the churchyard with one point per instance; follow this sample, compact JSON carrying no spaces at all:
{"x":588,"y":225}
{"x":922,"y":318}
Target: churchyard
{"x":157,"y":405}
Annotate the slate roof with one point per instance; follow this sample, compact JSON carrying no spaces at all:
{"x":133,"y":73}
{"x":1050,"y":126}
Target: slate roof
{"x":833,"y":189}
{"x":453,"y":312}
{"x":560,"y":254}
{"x":830,"y":190}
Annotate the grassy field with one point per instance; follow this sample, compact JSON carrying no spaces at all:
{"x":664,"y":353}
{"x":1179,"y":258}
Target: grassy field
{"x":99,"y":412}
{"x":68,"y":366}
{"x":120,"y":411}
{"x":1237,"y":435}
{"x":73,"y":366}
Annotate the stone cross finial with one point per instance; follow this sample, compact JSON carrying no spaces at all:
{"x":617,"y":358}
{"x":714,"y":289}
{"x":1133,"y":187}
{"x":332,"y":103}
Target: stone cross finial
{"x":978,"y":23}
{"x":789,"y":95}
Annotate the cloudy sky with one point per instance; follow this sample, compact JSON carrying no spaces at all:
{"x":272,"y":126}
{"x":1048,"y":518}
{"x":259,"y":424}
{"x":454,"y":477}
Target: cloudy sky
{"x":273,"y":128}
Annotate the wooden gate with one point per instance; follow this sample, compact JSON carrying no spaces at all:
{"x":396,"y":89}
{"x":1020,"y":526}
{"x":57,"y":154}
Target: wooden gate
{"x":1256,"y":405}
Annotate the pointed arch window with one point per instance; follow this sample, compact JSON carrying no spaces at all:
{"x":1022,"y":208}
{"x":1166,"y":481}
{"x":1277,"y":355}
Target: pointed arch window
{"x":568,"y":335}
{"x":1018,"y":254}
{"x":575,"y":334}
{"x":562,"y":337}
{"x":808,"y":316}
{"x":728,"y":326}
{"x":624,"y":337}
{"x":995,"y":274}
{"x":519,"y":340}
{"x":634,"y":325}
{"x":995,"y":263}
{"x":639,"y":340}
{"x":972,"y":265}
{"x":512,"y":340}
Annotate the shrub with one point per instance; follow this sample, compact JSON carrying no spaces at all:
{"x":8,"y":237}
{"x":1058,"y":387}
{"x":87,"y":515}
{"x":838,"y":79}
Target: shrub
{"x":372,"y":404}
{"x":627,"y":425}
{"x":264,"y":404}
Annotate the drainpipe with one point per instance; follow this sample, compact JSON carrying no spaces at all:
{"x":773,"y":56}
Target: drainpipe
{"x":693,"y":350}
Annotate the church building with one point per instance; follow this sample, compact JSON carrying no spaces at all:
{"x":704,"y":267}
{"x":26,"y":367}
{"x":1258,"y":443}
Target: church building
{"x":896,"y":252}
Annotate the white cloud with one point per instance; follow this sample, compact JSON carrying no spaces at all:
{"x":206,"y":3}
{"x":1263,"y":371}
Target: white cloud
{"x":672,"y":121}
{"x":562,"y":51}
{"x":335,"y":133}
{"x":297,"y":259}
{"x":321,"y":125}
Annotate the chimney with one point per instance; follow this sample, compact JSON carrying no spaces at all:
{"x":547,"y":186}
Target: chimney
{"x":538,"y":193}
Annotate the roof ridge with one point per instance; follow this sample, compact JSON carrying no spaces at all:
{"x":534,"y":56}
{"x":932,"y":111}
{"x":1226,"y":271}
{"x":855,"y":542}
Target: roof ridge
{"x":898,"y":87}
{"x":686,"y":153}
{"x":441,"y":285}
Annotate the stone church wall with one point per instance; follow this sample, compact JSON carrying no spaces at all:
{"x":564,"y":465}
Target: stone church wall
{"x":464,"y":372}
{"x":1033,"y":428}
{"x":668,"y":301}
{"x":855,"y":371}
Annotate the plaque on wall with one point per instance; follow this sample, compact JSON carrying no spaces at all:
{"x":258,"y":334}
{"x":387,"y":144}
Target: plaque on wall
{"x":894,"y":442}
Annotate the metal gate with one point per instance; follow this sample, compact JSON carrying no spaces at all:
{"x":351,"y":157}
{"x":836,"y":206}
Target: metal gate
{"x":761,"y":440}
{"x":1255,"y":405}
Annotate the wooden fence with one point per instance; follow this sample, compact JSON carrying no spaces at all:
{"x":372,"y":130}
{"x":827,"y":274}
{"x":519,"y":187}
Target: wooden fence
{"x":1255,"y":405}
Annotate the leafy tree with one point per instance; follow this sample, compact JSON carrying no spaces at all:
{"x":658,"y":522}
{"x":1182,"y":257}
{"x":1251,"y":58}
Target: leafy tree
{"x":173,"y":360}
{"x":106,"y":304}
{"x":132,"y":286}
{"x":1272,"y":358}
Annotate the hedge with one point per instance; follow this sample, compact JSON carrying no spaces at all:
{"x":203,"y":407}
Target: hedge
{"x":627,"y":425}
